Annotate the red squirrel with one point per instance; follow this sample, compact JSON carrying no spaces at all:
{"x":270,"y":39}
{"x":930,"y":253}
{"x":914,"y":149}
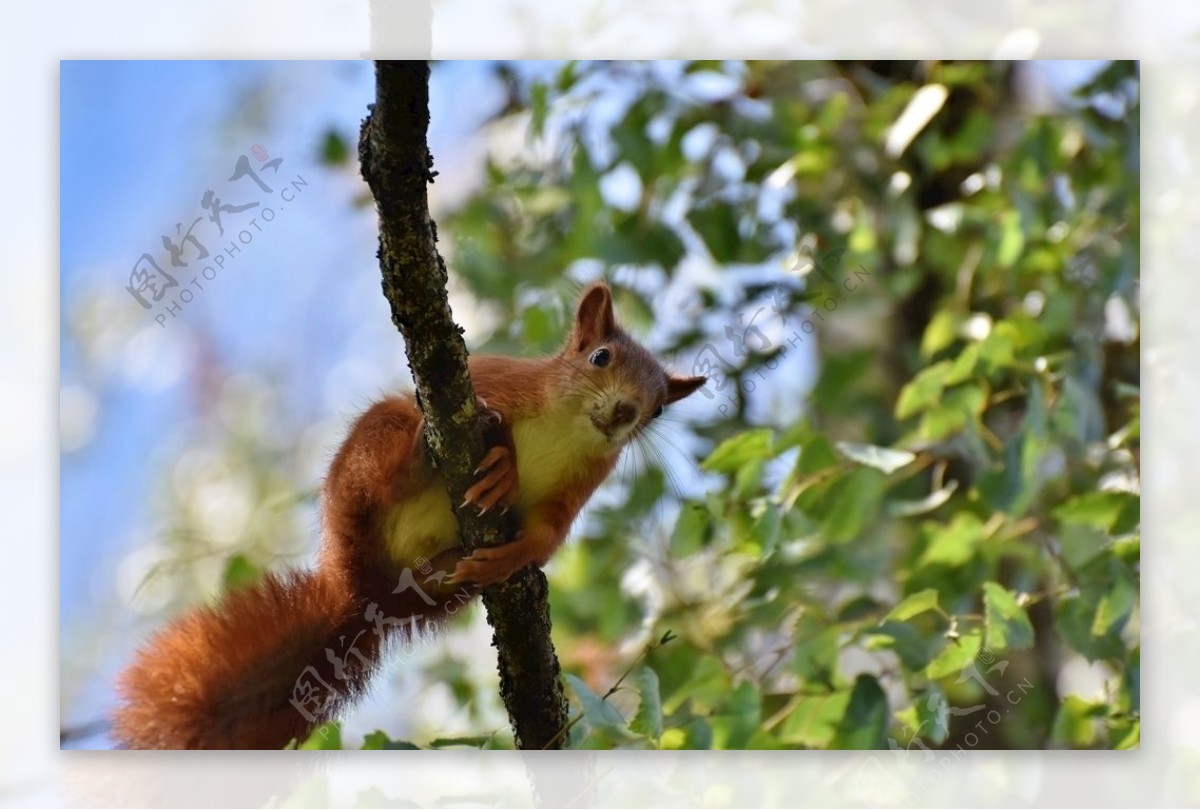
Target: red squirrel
{"x":271,"y":661}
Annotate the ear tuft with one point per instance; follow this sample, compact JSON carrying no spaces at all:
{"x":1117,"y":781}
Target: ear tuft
{"x":594,"y":321}
{"x":680,"y":387}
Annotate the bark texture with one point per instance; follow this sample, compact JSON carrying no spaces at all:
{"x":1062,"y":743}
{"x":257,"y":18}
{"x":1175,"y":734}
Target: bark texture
{"x":396,"y":164}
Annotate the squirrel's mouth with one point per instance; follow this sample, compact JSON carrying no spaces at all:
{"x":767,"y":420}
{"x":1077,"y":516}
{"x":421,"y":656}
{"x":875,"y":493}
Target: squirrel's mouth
{"x":606,"y":428}
{"x":603,"y":427}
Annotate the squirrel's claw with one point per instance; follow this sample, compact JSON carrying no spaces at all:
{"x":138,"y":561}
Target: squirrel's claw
{"x":493,"y":456}
{"x":489,"y":566}
{"x":499,"y":483}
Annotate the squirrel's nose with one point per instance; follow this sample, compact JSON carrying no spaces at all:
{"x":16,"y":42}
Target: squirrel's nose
{"x":624,"y":413}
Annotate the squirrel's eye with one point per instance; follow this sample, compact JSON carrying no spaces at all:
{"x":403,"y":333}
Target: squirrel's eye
{"x":600,"y":358}
{"x":657,"y":412}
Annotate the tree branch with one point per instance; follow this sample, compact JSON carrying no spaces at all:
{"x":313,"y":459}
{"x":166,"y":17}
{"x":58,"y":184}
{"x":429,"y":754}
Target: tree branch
{"x":397,"y":165}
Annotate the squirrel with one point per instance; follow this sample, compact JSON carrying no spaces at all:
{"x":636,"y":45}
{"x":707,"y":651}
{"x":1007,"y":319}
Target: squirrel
{"x":271,"y":661}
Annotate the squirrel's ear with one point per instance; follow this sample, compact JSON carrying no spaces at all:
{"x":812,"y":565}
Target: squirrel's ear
{"x":680,"y":387}
{"x":594,"y":317}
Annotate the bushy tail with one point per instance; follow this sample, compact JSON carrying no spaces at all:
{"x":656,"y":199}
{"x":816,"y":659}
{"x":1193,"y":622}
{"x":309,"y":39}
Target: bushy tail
{"x":265,"y":666}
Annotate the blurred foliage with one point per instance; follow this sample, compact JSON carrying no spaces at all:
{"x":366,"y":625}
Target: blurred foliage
{"x":953,"y":544}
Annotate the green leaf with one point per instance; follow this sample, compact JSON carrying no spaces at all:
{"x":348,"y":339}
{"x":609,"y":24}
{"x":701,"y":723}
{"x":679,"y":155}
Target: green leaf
{"x":964,"y":365}
{"x":692,"y":529}
{"x":1100,"y":510}
{"x":954,"y":411}
{"x":1132,"y":737}
{"x":924,"y":718}
{"x":852,"y":504}
{"x":239,"y":572}
{"x":914,"y":647}
{"x":954,"y":544}
{"x":1116,"y":605}
{"x":736,"y":722}
{"x":864,"y":725}
{"x":637,"y":242}
{"x":1075,"y":617}
{"x":815,"y":455}
{"x":1007,"y":625}
{"x":717,"y":224}
{"x":705,"y":685}
{"x":932,"y":501}
{"x":813,"y":720}
{"x":1128,"y":549}
{"x":731,"y":454}
{"x":326,"y":737}
{"x":699,"y":735}
{"x":538,"y":108}
{"x":747,"y":479}
{"x":598,"y":712}
{"x":915,"y":604}
{"x":1084,"y":547}
{"x":1077,"y":724}
{"x":649,"y":718}
{"x":632,"y":141}
{"x":815,"y":654}
{"x":1012,"y":239}
{"x":998,"y":349}
{"x":379,"y":741}
{"x":941,"y":332}
{"x":923,"y":390}
{"x":881,"y":458}
{"x":539,"y":326}
{"x":334,"y":149}
{"x":957,"y":654}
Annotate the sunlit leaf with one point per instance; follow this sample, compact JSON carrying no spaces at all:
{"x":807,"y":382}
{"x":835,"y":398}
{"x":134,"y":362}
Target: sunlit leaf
{"x":929,"y":503}
{"x":731,"y":454}
{"x":327,"y":737}
{"x":881,"y":458}
{"x":1007,"y":625}
{"x":915,"y":604}
{"x":649,"y":719}
{"x":953,"y":544}
{"x":813,"y":720}
{"x":958,"y":654}
{"x":921,"y":109}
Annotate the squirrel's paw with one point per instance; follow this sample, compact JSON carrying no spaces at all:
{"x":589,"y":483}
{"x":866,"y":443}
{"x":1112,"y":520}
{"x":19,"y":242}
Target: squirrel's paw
{"x":498,"y":487}
{"x":493,"y":416}
{"x":488,"y":566}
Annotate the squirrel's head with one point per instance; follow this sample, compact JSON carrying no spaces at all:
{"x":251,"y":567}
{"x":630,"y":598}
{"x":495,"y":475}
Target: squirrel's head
{"x":617,"y":385}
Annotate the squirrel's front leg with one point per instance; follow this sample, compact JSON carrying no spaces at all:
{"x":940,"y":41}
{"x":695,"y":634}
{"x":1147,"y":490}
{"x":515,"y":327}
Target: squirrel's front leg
{"x":499,"y":484}
{"x":543,"y":530}
{"x":487,"y":566}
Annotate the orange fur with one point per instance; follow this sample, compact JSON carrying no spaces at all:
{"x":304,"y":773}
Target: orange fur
{"x":274,"y":659}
